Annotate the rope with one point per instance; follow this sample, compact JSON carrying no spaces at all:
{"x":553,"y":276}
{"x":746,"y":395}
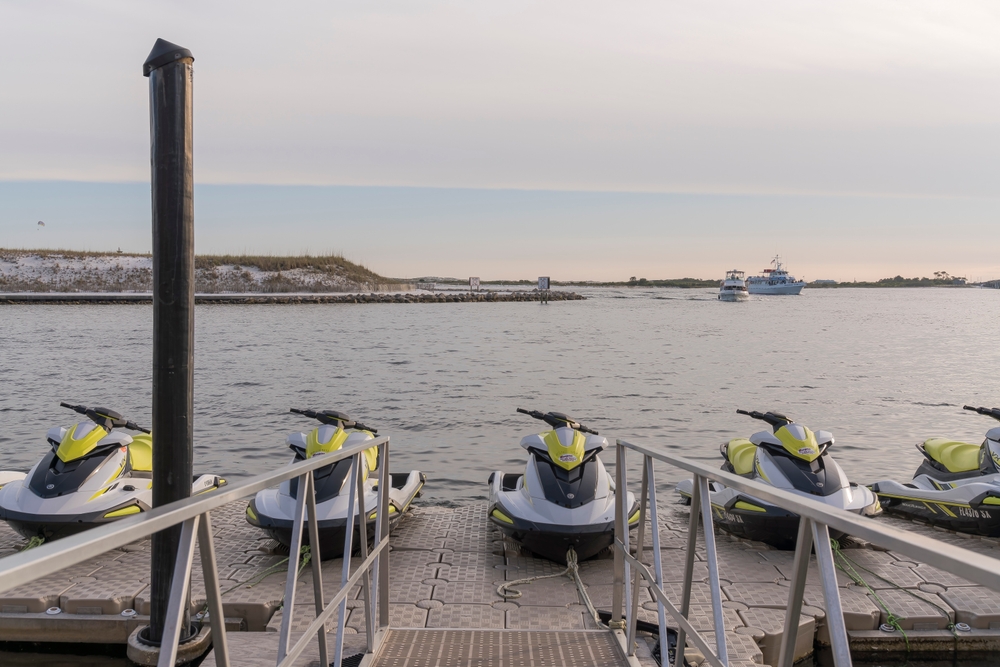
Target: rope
{"x":36,"y":541}
{"x":508,"y":592}
{"x":891,"y":619}
{"x":306,"y":554}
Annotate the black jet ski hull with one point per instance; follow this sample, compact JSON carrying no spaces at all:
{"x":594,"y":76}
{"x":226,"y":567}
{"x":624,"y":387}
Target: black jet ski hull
{"x":51,"y":527}
{"x":331,"y":531}
{"x":553,"y":541}
{"x":959,"y":517}
{"x":776,"y":527}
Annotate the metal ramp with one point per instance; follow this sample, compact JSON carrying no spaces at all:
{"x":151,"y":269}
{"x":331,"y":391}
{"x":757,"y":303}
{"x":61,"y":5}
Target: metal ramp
{"x":498,"y":648}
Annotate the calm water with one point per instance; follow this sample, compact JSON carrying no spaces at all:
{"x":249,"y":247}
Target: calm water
{"x":881,"y":369}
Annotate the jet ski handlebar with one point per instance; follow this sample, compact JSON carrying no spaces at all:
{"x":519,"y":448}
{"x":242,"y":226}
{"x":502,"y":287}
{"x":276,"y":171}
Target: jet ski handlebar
{"x":334,"y":418}
{"x":109,"y":419}
{"x":989,"y":412}
{"x":773,"y":418}
{"x":557,"y":420}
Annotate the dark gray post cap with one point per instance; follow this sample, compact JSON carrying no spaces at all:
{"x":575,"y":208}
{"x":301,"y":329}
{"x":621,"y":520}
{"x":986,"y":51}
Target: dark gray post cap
{"x":164,"y":52}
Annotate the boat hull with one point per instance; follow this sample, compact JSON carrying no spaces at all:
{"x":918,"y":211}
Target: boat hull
{"x":972,"y":508}
{"x":778,"y":289}
{"x":733,"y":296}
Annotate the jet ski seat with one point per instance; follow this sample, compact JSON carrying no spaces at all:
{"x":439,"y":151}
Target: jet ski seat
{"x":955,"y":456}
{"x":141,"y":451}
{"x":741,"y":453}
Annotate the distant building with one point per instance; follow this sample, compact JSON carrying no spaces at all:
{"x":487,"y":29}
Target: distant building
{"x":824,"y":282}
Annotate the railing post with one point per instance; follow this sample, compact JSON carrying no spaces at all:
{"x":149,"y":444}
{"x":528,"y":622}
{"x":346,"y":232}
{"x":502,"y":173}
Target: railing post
{"x":317,"y":568}
{"x":831,"y":595}
{"x":800,"y":568}
{"x":345,"y":573}
{"x":363,"y":545}
{"x":382,"y":529}
{"x":713,"y":570}
{"x":620,"y":530}
{"x":657,"y":558}
{"x":692,"y":545}
{"x":633,"y":613}
{"x":210,"y":571}
{"x":294,"y":550}
{"x":177,"y":606}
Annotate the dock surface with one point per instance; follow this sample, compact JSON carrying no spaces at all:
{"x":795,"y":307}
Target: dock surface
{"x":446,"y":564}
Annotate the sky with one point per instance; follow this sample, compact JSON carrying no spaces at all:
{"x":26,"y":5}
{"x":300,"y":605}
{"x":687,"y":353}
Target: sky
{"x":580,"y":140}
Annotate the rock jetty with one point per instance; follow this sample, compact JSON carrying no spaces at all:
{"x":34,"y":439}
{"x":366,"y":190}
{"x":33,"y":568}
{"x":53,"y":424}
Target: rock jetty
{"x":278,"y":298}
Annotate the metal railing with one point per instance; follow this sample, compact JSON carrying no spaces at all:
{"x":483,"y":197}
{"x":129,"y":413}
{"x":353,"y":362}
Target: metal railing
{"x":815,"y":521}
{"x":194,"y":515}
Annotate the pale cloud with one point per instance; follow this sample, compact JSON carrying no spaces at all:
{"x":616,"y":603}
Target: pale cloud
{"x":846,"y":97}
{"x":858,"y":138}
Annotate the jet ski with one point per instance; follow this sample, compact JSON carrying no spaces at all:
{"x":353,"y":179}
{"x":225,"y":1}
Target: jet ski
{"x":792,"y":458}
{"x":273,"y":509}
{"x":956,"y":486}
{"x":564,"y":498}
{"x":93,"y":473}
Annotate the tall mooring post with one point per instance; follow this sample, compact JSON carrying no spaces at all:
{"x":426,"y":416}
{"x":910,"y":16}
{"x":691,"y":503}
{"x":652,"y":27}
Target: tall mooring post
{"x":170,"y":72}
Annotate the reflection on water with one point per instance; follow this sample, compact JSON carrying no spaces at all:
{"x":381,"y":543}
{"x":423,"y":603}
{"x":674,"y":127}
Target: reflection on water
{"x":881,"y":369}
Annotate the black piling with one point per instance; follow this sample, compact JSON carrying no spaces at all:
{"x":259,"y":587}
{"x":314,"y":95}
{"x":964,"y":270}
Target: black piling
{"x":170,"y":71}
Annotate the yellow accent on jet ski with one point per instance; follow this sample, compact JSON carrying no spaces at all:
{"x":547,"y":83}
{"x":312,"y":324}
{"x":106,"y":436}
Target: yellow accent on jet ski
{"x":70,"y":449}
{"x":740,"y":453}
{"x":760,"y":470}
{"x":314,"y":446}
{"x":497,"y":514}
{"x":371,"y":455}
{"x":108,"y":482}
{"x":141,"y":452}
{"x":991,"y":501}
{"x":946,"y":510}
{"x":634,"y":517}
{"x":955,"y":456}
{"x":565,"y":456}
{"x":125,"y":511}
{"x":807,"y":449}
{"x":742,"y":505}
{"x":922,"y":500}
{"x":251,"y":513}
{"x":373,"y":515}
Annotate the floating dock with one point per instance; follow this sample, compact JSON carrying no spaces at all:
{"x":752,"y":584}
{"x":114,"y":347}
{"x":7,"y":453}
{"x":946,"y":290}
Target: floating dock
{"x":446,"y":564}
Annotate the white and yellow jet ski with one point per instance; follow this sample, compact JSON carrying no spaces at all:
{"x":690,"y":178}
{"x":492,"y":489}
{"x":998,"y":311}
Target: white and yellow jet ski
{"x":273,"y":509}
{"x":564,"y":498}
{"x":956,"y":486}
{"x":91,"y":475}
{"x":792,"y":458}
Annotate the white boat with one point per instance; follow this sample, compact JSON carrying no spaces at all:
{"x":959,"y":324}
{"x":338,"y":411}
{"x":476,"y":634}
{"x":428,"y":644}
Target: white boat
{"x":733,"y":288}
{"x":775,"y":281}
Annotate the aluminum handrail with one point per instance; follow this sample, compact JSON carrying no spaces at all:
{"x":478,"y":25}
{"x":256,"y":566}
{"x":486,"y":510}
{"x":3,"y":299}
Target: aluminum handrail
{"x":25,"y":566}
{"x":973,"y":566}
{"x":813,"y":532}
{"x":194,"y":515}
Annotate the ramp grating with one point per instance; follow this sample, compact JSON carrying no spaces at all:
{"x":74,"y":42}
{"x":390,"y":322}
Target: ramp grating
{"x":499,"y":648}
